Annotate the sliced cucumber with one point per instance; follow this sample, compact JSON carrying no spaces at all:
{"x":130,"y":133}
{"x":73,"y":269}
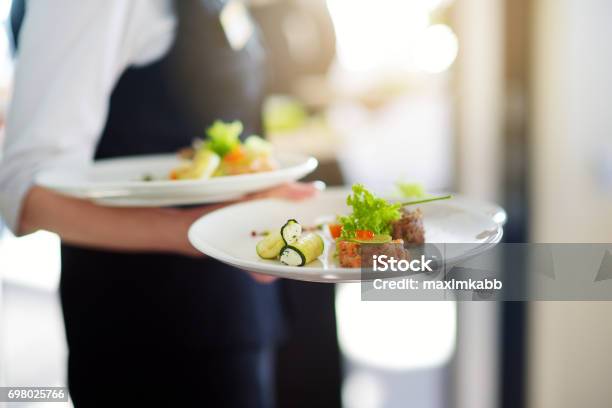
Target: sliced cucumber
{"x":271,"y":246}
{"x":303,"y":251}
{"x":291,"y":232}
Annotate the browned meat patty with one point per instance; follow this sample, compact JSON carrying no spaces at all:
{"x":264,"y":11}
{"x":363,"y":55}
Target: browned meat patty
{"x":350,"y":254}
{"x":410,"y":227}
{"x":393,"y":249}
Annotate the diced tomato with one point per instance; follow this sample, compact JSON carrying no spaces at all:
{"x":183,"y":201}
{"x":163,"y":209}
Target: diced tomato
{"x":236,"y":155}
{"x":364,"y":235}
{"x":335,"y":230}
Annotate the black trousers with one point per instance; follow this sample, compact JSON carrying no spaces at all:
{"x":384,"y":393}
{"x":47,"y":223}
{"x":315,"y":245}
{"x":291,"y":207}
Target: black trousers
{"x":185,"y":378}
{"x":146,"y":329}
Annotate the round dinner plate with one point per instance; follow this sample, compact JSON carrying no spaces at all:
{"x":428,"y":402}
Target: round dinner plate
{"x":226,"y":234}
{"x":119,"y":181}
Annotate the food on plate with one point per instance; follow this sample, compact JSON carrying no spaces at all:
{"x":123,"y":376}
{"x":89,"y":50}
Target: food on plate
{"x":223,"y":154}
{"x":382,"y":225}
{"x":306,"y":249}
{"x":202,"y":166}
{"x":374,"y":227}
{"x":351,"y":253}
{"x":291,"y":231}
{"x":290,"y":246}
{"x":318,"y":227}
{"x":409,"y":227}
{"x":271,"y":246}
{"x":410,"y":190}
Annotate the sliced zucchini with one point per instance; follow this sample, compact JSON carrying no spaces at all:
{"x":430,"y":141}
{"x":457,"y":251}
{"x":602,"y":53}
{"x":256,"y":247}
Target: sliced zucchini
{"x":292,"y":257}
{"x":291,"y":232}
{"x":205,"y":163}
{"x":271,"y":246}
{"x":303,"y":251}
{"x":202,"y":166}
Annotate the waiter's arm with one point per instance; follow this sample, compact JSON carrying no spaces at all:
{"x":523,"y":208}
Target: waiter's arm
{"x":83,"y":223}
{"x":125,"y":229}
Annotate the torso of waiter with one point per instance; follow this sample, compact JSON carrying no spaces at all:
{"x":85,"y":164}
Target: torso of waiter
{"x":125,"y":312}
{"x":159,"y":108}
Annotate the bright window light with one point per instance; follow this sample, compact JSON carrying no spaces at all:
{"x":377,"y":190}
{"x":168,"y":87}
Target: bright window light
{"x":437,"y":49}
{"x":6,"y":62}
{"x":361,"y":389}
{"x":5,"y":9}
{"x":376,"y":35}
{"x":33,"y":260}
{"x":394,"y":335}
{"x":434,"y":5}
{"x":388,"y":35}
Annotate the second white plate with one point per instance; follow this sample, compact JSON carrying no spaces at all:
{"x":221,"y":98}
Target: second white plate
{"x":136,"y":201}
{"x":123,"y":178}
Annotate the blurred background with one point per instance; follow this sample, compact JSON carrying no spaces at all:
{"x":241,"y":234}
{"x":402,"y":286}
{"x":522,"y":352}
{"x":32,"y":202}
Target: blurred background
{"x":501,"y":100}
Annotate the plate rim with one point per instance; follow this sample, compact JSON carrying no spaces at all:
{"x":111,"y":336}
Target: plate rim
{"x":134,"y":200}
{"x":305,"y":164}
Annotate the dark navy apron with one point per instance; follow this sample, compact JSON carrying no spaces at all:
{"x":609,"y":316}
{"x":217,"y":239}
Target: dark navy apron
{"x":167,"y":327}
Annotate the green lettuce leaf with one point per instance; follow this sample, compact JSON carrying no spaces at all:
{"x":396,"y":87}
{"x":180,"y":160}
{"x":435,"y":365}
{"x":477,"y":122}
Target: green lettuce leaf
{"x":224,"y":137}
{"x":369,"y":213}
{"x":410,"y":190}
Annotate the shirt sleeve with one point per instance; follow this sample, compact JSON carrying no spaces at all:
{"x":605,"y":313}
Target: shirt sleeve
{"x":70,"y":57}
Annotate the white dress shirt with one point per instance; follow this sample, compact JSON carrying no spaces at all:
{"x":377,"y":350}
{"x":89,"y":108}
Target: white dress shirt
{"x":71,"y":54}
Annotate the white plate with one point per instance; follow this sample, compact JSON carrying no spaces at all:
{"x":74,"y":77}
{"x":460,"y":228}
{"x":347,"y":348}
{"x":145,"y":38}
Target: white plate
{"x":122,"y":177}
{"x":226,"y":234}
{"x":137,"y":201}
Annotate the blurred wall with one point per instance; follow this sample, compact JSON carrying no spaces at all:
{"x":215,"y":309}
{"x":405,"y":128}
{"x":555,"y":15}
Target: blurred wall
{"x":479,"y":123}
{"x":569,"y":357}
{"x":479,"y":90}
{"x":572,"y":121}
